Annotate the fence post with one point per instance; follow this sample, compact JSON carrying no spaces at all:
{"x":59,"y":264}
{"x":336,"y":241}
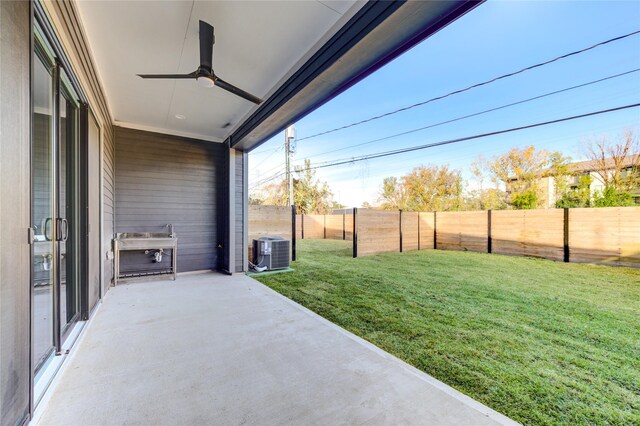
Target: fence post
{"x":324,"y":219}
{"x":400,"y":217}
{"x":355,"y":233}
{"x":435,"y":234}
{"x":344,"y":230}
{"x":302,"y":226}
{"x":419,"y":231}
{"x":293,"y":233}
{"x":489,"y":231}
{"x":566,"y":234}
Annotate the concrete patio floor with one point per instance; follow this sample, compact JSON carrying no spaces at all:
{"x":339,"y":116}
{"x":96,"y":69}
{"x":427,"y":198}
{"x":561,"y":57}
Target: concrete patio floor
{"x":209,"y":349}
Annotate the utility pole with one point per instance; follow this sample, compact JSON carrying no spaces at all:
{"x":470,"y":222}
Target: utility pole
{"x":289,"y":149}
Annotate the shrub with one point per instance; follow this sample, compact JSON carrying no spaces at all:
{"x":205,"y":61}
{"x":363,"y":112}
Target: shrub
{"x":574,"y":198}
{"x":611,"y":197}
{"x":526,"y":200}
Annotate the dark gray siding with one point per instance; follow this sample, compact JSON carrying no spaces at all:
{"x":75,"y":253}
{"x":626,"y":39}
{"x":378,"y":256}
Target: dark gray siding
{"x":239,"y":210}
{"x":162,"y":179}
{"x":15,"y":51}
{"x":108,"y":204}
{"x":93,"y":211}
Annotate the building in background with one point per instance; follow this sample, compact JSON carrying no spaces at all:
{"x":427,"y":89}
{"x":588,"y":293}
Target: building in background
{"x":588,"y":174}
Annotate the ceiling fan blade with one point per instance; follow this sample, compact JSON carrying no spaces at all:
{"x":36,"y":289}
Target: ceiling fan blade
{"x":173,"y":76}
{"x":206,"y":46}
{"x":236,"y":91}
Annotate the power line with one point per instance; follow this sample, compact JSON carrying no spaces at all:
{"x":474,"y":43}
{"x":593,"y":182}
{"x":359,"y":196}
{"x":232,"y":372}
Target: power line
{"x":267,"y":157}
{"x":457,"y":140}
{"x":268,"y":179}
{"x":265,"y":180}
{"x":277,"y":167}
{"x":482,"y":135}
{"x":478,"y":113}
{"x":455,"y":92}
{"x":455,"y":153}
{"x":264,"y":151}
{"x":342,"y":161}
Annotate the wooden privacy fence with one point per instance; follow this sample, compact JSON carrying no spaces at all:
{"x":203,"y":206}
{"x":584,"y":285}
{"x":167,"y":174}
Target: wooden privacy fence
{"x":538,"y":233}
{"x":462,"y":231}
{"x":320,"y":226}
{"x":272,"y":221}
{"x":379,"y":227}
{"x":607,"y":235}
{"x":597,"y":235}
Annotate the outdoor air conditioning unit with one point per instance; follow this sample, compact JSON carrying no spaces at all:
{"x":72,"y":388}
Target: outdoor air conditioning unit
{"x":271,"y":252}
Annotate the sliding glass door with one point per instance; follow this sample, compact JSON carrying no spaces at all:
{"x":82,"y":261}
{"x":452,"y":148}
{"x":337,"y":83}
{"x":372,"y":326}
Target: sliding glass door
{"x":68,"y":196}
{"x":55,"y":205}
{"x":42,"y":208}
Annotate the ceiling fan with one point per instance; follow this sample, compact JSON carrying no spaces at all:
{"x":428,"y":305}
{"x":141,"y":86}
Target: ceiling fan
{"x":204,"y":74}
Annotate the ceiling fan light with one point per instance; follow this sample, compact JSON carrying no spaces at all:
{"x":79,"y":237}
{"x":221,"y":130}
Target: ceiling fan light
{"x":205,"y":81}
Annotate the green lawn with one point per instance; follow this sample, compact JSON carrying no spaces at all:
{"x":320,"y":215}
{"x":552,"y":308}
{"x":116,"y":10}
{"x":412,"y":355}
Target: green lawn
{"x":542,"y":342}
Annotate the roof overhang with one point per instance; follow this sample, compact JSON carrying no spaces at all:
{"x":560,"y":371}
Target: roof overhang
{"x":379,"y":32}
{"x":258,"y":45}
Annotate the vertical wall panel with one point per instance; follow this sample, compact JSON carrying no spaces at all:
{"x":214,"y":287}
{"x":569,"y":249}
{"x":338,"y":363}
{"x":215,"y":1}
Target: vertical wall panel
{"x":15,"y":110}
{"x":239,"y":210}
{"x":108,"y":207}
{"x":162,"y":179}
{"x":93,"y":185}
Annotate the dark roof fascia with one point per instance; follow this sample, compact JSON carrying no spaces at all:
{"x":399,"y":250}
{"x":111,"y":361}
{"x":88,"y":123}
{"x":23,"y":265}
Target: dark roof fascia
{"x":262,"y":125}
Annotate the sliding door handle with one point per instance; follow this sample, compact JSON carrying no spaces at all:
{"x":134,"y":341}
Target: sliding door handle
{"x":58,"y":229}
{"x":65,"y":229}
{"x":62,"y":229}
{"x":47,"y":229}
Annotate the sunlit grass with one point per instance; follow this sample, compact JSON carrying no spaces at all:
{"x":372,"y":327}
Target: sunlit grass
{"x":542,"y":342}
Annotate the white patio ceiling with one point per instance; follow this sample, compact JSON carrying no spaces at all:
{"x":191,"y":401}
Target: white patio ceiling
{"x":258,"y":45}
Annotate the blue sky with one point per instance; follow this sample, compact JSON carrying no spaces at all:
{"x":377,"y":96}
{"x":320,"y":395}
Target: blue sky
{"x":496,"y":38}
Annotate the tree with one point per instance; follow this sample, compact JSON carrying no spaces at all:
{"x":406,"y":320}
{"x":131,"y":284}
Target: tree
{"x":392,"y":194}
{"x":485,"y":197}
{"x":433,"y":188}
{"x":275,"y":194}
{"x":560,"y":170}
{"x":617,"y":165}
{"x":520,"y":171}
{"x":310,"y":196}
{"x":255,"y":199}
{"x":425,"y":188}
